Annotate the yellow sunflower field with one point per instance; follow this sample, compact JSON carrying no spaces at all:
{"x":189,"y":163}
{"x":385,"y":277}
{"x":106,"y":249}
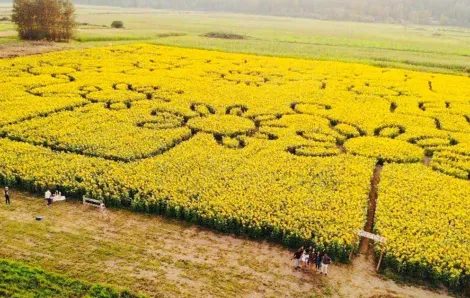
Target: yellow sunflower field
{"x":278,"y":148}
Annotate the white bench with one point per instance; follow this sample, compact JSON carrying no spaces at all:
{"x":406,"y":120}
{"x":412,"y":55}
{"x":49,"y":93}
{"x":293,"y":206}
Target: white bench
{"x":56,"y":199}
{"x":93,"y":202}
{"x":99,"y":204}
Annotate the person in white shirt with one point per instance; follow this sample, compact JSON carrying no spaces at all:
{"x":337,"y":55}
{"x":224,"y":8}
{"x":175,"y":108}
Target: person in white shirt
{"x":48,"y":197}
{"x":304,"y":259}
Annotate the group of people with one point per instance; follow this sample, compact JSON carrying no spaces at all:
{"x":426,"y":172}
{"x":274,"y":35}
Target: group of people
{"x":308,"y":259}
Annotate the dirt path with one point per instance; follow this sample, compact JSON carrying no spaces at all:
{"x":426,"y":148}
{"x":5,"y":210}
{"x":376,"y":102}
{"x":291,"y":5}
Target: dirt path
{"x":366,"y":245}
{"x":161,"y":257}
{"x":360,"y":280}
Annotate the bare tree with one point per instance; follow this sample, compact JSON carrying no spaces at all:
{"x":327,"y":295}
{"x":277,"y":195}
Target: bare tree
{"x":52,"y":20}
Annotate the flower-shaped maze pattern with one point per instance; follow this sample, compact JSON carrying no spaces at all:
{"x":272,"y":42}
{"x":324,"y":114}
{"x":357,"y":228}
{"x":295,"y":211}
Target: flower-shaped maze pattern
{"x":387,"y":143}
{"x":126,"y":112}
{"x":229,"y":127}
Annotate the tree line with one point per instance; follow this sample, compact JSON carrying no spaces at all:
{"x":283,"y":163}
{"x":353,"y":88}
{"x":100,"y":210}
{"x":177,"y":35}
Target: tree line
{"x":443,"y":12}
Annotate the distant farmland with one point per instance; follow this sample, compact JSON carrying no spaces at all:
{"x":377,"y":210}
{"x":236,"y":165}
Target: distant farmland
{"x":436,"y":49}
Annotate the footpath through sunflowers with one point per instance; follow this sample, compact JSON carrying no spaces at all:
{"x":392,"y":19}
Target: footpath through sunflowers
{"x":272,"y":147}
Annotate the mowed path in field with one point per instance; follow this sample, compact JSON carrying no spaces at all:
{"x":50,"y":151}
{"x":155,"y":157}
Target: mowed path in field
{"x":161,"y":257}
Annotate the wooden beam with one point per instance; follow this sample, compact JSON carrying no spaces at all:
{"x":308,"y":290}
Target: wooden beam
{"x":380,"y":259}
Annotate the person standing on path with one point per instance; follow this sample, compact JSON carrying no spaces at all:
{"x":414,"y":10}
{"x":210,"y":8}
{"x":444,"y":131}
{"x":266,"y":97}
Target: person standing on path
{"x":318,"y":260}
{"x":48,"y":197}
{"x":7,"y":196}
{"x":298,"y":256}
{"x":304,"y":260}
{"x":312,"y":257}
{"x":324,"y":264}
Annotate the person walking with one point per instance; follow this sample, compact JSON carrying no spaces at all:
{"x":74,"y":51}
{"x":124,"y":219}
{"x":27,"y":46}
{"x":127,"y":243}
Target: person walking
{"x":326,"y":260}
{"x":7,"y":196}
{"x":318,"y":260}
{"x":298,"y":256}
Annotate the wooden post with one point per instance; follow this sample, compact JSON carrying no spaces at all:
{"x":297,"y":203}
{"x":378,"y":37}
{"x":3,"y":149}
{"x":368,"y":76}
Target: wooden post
{"x":380,"y":259}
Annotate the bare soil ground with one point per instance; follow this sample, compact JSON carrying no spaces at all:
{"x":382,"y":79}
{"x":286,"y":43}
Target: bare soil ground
{"x":161,"y":257}
{"x":24,"y":48}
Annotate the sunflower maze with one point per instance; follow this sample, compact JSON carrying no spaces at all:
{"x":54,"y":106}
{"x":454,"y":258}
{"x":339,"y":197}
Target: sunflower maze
{"x":269,"y":147}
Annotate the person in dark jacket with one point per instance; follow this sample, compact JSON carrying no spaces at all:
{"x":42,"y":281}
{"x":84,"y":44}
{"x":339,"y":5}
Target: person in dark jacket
{"x":326,"y":260}
{"x":318,"y":260}
{"x":298,"y":256}
{"x":312,"y":257}
{"x":7,"y":195}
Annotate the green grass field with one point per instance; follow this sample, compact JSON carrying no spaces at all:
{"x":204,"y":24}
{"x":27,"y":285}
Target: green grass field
{"x":436,"y":49}
{"x":417,"y":47}
{"x":4,"y":26}
{"x":19,"y":280}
